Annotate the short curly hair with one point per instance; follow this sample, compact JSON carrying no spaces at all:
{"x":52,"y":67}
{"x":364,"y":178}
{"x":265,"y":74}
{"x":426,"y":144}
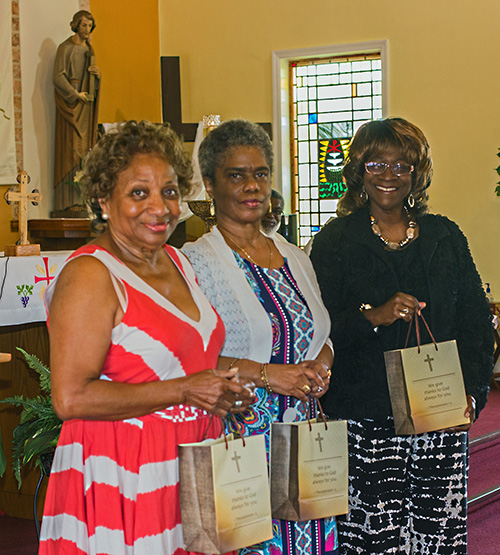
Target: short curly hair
{"x":75,"y":22}
{"x":232,"y":134}
{"x":372,"y":139}
{"x":113,"y":154}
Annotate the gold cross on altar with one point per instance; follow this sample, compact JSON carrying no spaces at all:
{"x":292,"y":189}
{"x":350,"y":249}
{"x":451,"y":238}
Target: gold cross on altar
{"x":23,"y":248}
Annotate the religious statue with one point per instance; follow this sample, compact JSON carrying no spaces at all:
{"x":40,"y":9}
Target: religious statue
{"x":76,"y":81}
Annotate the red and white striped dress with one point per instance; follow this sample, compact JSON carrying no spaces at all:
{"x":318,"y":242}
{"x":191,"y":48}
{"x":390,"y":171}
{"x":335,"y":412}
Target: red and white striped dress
{"x":113,"y":487}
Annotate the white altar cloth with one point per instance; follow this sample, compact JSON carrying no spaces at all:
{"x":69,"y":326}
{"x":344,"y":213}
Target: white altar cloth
{"x":23,"y":280}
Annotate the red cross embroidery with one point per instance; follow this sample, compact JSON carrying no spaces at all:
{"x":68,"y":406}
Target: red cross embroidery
{"x":47,"y":277}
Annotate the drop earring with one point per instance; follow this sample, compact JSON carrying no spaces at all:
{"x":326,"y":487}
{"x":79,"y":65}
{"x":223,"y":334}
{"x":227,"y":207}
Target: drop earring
{"x":363,"y":196}
{"x":212,"y":207}
{"x":411,"y":200}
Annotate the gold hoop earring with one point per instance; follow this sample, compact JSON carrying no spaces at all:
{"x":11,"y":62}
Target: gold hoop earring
{"x":411,"y":200}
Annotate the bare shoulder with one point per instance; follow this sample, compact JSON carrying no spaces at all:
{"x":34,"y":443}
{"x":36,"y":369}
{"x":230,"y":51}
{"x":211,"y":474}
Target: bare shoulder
{"x":83,"y":279}
{"x":82,"y":269}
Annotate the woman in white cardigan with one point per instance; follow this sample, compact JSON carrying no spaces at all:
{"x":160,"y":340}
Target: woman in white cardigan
{"x":266,"y":293}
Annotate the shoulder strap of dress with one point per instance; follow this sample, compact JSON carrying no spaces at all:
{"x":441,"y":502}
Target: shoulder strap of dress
{"x":118,"y":287}
{"x":182,"y":262}
{"x":117,"y":270}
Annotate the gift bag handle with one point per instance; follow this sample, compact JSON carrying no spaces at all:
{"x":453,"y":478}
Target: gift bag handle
{"x":417,"y":329}
{"x":240,"y":427}
{"x":323,"y":417}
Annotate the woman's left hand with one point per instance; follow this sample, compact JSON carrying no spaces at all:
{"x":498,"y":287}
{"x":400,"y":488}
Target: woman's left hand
{"x":470,"y":412}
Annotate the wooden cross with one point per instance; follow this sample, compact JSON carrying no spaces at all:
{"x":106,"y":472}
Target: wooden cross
{"x":23,"y":248}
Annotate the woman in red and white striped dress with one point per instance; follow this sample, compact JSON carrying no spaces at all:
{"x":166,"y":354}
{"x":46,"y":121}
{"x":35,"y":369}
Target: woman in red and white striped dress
{"x":133,"y":344}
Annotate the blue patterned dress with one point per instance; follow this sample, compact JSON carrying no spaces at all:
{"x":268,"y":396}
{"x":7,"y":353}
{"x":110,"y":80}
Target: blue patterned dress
{"x":292,"y":327}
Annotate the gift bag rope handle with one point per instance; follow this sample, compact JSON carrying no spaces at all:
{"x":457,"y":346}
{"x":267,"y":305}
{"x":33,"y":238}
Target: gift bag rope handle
{"x":417,"y":329}
{"x":229,"y":417}
{"x":323,"y":417}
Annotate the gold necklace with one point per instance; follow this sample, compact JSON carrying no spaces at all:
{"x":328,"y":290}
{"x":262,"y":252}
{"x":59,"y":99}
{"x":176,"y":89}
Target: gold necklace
{"x":246,"y":253}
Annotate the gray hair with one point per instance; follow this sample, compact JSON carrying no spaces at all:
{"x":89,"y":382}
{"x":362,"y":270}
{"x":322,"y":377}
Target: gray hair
{"x":229,"y":135}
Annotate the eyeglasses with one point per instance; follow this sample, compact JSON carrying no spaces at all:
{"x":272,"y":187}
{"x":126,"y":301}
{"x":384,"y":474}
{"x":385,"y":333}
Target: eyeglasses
{"x":378,"y":168}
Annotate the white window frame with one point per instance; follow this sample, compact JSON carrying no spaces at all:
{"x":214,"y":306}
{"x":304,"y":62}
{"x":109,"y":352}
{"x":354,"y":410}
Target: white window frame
{"x":281,"y":103}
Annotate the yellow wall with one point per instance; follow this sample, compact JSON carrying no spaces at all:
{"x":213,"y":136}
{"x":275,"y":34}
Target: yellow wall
{"x":127,"y":51}
{"x":443,"y":73}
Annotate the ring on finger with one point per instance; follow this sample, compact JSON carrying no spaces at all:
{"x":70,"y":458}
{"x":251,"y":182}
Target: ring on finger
{"x":405,"y":310}
{"x":238,"y":404}
{"x":320,"y":389}
{"x":306,"y":389}
{"x":402,"y":314}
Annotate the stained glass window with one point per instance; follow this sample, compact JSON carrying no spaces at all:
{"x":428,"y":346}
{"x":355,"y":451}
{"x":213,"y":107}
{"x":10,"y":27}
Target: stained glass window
{"x":330,"y":99}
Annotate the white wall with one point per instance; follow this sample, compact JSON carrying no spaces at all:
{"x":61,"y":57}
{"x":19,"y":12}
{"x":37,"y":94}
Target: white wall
{"x":43,"y":26}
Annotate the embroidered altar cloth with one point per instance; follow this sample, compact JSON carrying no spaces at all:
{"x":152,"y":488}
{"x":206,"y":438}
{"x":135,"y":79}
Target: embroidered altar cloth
{"x":23,"y":280}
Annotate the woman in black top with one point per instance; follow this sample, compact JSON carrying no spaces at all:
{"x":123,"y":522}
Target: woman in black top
{"x":381,"y":261}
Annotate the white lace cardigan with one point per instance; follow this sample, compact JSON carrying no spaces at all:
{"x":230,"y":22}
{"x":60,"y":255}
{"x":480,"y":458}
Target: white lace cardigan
{"x":248,"y":327}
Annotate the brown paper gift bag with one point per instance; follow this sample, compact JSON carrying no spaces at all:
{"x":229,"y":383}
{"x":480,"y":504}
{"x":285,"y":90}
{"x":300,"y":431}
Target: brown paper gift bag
{"x":224,"y":494}
{"x":426,"y":386}
{"x":309,"y":469}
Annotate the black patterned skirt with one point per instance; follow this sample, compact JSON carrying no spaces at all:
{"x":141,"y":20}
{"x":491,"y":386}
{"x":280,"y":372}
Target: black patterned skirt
{"x":407,"y":494}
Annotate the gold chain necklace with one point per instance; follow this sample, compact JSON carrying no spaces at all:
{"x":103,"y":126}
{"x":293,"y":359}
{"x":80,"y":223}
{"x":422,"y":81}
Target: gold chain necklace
{"x":246,"y":253}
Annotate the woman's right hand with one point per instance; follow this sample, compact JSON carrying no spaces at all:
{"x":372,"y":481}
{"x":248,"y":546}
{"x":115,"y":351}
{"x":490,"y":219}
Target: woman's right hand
{"x":399,"y":307}
{"x":217,"y":391}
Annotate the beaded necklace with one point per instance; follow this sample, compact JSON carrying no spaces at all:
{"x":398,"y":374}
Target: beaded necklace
{"x":392,"y":245}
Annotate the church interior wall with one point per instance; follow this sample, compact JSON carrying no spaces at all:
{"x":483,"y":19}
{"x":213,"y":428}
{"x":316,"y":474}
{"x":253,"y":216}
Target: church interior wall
{"x":443,"y":60}
{"x":126,"y":42}
{"x":127,"y":49}
{"x":442,"y":76}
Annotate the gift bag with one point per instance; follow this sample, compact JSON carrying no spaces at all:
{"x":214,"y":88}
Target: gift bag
{"x":224,"y":494}
{"x":426,"y":386}
{"x":309,"y":469}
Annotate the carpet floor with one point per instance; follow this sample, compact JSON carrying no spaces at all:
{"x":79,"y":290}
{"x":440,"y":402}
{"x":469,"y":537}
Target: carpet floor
{"x":483,"y":521}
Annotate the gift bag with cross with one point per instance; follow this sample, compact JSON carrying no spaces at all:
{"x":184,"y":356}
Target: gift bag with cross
{"x":224,"y":494}
{"x":426,"y":386}
{"x":309,"y":469}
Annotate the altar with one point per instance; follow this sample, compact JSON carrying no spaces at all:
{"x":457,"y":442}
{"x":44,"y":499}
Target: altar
{"x":23,"y":281}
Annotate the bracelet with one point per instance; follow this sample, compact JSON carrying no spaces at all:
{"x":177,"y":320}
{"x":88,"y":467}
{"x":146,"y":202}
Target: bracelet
{"x":264,"y":378}
{"x":232,"y":363}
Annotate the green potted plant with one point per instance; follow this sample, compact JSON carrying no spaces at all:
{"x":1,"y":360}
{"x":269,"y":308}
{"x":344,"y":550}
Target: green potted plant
{"x":35,"y":437}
